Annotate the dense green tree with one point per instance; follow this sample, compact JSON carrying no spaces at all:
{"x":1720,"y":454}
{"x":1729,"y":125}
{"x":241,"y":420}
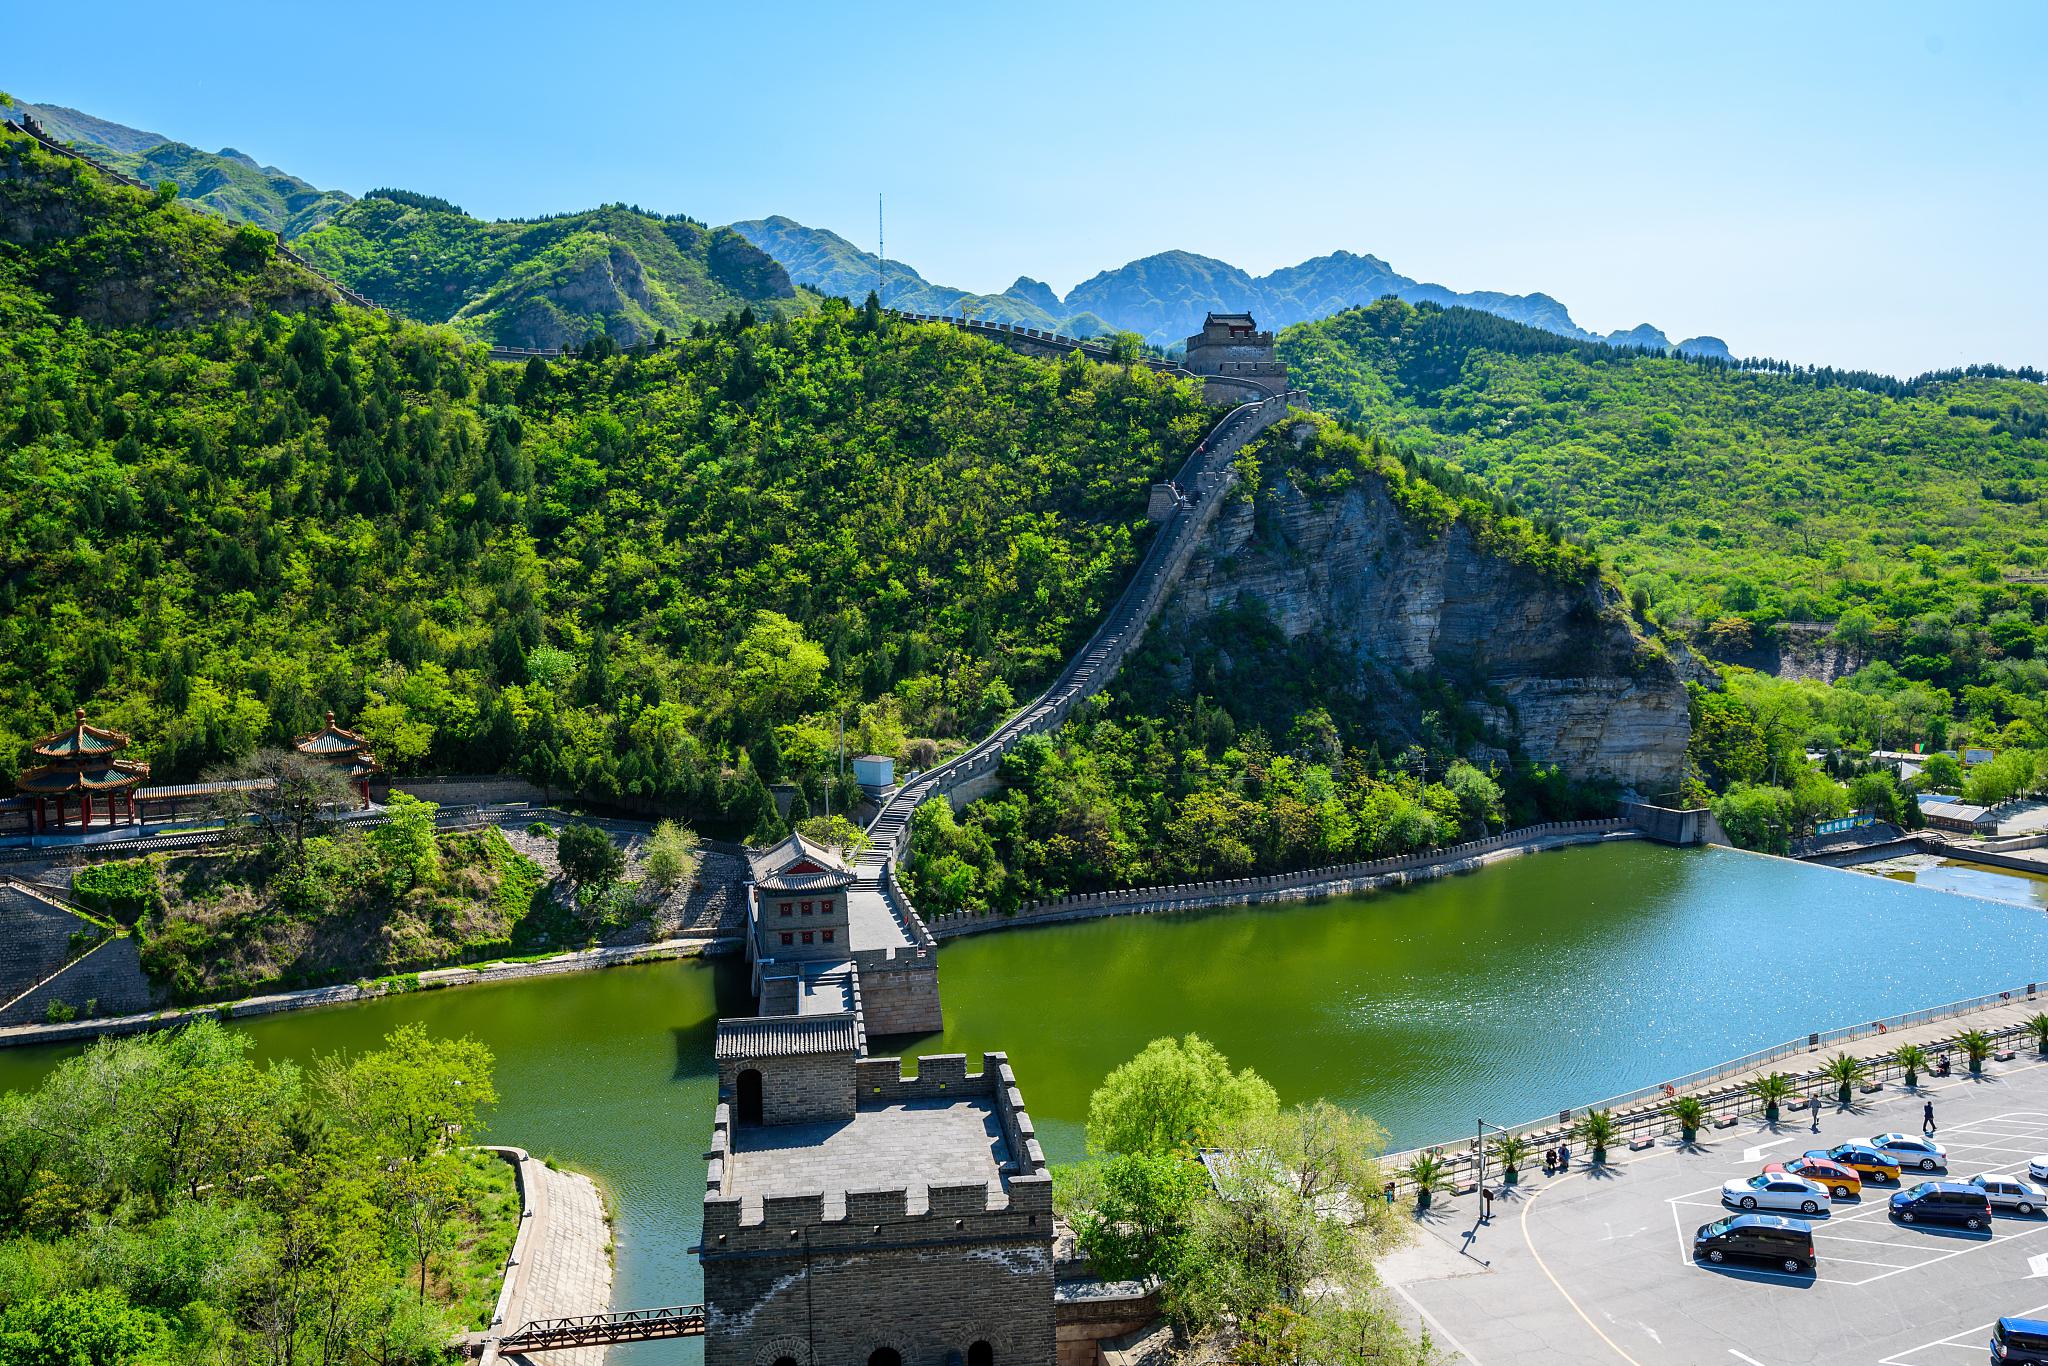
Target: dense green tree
{"x":1176,"y":1095}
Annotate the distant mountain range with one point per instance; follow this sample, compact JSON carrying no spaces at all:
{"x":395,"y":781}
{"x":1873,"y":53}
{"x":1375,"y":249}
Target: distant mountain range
{"x":556,"y":280}
{"x":1164,"y":297}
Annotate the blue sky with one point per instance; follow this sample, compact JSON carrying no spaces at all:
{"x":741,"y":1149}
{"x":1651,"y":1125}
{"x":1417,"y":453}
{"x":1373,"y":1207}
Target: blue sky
{"x":1854,"y":184}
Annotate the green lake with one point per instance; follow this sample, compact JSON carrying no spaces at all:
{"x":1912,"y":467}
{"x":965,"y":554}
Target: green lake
{"x":1969,"y":879}
{"x":1536,"y":983}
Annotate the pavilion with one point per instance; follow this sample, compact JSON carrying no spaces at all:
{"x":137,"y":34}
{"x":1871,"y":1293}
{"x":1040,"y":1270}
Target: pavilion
{"x":81,"y":764}
{"x":343,"y":750}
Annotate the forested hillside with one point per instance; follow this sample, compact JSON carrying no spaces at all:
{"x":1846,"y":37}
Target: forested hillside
{"x":667,"y":575}
{"x":1904,"y":516}
{"x":551,"y":282}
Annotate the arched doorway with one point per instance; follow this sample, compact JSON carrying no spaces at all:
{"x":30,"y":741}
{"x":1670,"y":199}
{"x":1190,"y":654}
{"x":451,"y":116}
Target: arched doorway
{"x":750,"y":1099}
{"x":885,"y":1356}
{"x":981,"y":1354}
{"x":785,"y":1361}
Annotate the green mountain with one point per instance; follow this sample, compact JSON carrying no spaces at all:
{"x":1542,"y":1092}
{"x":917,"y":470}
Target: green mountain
{"x":227,"y":182}
{"x":1733,"y":498}
{"x":548,"y":282}
{"x":666,"y":575}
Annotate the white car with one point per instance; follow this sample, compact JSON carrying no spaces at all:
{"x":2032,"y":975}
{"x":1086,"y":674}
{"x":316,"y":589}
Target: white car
{"x":2038,"y":1169}
{"x":1776,"y":1190}
{"x":1911,"y":1150}
{"x":2009,"y":1192}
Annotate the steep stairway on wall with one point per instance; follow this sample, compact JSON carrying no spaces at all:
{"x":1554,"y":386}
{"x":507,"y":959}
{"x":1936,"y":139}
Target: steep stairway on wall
{"x":1204,"y":480}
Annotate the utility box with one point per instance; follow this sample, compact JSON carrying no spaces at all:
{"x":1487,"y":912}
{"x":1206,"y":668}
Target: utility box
{"x":876,"y":773}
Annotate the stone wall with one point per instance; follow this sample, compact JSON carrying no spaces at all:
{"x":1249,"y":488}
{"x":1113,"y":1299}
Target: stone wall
{"x":108,"y":981}
{"x":1089,"y":1313}
{"x":899,"y":992}
{"x":795,"y":1090}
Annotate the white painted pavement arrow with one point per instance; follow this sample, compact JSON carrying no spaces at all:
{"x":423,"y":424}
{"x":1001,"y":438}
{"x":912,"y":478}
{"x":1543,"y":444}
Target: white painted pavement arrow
{"x":1752,"y":1154}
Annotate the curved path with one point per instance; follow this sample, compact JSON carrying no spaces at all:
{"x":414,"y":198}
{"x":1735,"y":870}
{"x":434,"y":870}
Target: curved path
{"x":1204,"y":480}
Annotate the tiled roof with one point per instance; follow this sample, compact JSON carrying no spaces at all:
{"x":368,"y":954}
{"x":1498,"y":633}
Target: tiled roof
{"x":80,"y":740}
{"x":767,"y":865}
{"x":785,"y":1036}
{"x":57,"y":779}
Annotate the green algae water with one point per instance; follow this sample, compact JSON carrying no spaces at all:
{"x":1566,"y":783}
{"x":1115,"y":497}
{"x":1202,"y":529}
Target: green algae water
{"x":1533,"y":984}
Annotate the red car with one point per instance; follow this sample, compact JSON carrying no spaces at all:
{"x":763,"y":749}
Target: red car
{"x":1842,"y":1182}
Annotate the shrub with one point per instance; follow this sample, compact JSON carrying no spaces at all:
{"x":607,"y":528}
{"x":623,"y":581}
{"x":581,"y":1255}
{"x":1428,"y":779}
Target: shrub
{"x":57,"y":1012}
{"x":672,"y":854}
{"x":125,"y":889}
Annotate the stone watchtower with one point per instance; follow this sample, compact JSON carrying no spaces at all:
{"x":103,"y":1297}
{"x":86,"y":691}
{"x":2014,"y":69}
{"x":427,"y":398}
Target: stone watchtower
{"x":1236,"y":358}
{"x":854,"y":1216}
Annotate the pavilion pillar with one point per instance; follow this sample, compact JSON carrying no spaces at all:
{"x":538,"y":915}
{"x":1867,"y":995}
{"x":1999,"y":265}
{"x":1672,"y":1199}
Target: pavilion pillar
{"x":60,"y":813}
{"x":42,"y":817}
{"x":85,"y":809}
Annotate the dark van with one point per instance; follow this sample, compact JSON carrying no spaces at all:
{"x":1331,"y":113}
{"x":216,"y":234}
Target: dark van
{"x":1943,"y":1202}
{"x":1786,"y":1243}
{"x":2020,"y":1342}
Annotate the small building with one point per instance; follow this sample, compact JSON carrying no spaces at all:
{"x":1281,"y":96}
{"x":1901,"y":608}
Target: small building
{"x":876,"y":773}
{"x":1951,"y":813}
{"x":799,"y":902}
{"x":79,"y":765}
{"x":1231,"y":350}
{"x":343,"y":750}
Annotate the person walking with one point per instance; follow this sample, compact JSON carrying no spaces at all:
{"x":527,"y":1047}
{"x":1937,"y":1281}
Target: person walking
{"x":1927,"y":1119}
{"x":1813,"y":1104}
{"x":1564,"y":1157}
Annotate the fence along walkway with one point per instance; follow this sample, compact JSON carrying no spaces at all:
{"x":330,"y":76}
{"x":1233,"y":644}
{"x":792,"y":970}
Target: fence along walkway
{"x":1203,"y":480}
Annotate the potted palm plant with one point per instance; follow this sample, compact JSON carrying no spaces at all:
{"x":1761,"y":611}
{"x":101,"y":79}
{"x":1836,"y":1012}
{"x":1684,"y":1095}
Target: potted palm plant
{"x":1430,"y":1174}
{"x":1598,"y":1129}
{"x":1844,"y":1071}
{"x":1773,"y":1089}
{"x":2037,"y":1025}
{"x":1976,"y":1046}
{"x":1911,"y":1057}
{"x":1511,"y":1150}
{"x":1690,"y":1112}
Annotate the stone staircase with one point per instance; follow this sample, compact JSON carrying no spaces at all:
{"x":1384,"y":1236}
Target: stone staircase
{"x":1204,"y":480}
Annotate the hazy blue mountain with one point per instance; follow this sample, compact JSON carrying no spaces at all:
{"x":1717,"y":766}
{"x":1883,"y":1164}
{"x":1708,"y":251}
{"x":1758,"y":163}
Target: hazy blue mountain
{"x":1705,"y":346}
{"x":1164,"y":296}
{"x":70,"y":125}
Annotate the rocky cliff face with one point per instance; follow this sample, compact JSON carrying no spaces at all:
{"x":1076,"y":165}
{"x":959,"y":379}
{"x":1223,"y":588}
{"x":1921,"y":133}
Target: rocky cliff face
{"x":1554,"y":669}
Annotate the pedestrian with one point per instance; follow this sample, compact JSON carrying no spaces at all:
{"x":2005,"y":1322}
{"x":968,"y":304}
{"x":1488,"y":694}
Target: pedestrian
{"x":1550,"y":1161}
{"x":1927,"y":1119}
{"x":1390,"y":1195}
{"x":1564,"y":1157}
{"x":1813,"y":1104}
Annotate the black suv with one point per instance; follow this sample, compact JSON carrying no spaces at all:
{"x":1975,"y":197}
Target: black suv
{"x":1788,"y":1243}
{"x":1943,"y":1202}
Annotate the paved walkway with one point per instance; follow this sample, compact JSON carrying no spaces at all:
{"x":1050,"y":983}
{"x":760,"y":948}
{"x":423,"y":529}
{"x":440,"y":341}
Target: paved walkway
{"x":564,"y":1264}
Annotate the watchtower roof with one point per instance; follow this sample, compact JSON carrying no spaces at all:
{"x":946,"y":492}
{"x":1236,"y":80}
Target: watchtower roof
{"x":798,"y":865}
{"x":81,"y":759}
{"x":785,"y":1036}
{"x":333,"y":745}
{"x":1243,"y":320}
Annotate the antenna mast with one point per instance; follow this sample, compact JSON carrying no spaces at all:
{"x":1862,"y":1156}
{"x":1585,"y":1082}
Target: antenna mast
{"x":881,"y":253}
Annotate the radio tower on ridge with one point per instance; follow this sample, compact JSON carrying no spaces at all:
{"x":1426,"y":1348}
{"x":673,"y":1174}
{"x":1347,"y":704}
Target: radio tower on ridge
{"x":881,"y":254}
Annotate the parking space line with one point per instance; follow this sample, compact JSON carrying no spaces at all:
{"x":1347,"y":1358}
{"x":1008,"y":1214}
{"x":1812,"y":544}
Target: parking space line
{"x":1529,"y":1240}
{"x":1950,"y":1340}
{"x":1858,"y":1261}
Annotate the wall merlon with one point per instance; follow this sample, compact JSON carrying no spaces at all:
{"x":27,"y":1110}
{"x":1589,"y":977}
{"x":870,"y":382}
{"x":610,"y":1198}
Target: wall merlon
{"x":958,"y":1201}
{"x":792,"y":1211}
{"x":877,"y":1206}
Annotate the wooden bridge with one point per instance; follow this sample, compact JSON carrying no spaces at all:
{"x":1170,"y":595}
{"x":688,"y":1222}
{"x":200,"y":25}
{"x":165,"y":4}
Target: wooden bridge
{"x":599,"y":1330}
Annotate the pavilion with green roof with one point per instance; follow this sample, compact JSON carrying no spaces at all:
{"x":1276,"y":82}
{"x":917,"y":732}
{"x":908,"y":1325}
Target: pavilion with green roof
{"x":79,"y":765}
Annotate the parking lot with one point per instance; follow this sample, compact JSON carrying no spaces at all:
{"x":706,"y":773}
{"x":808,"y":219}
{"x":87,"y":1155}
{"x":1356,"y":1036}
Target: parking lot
{"x":1597,"y":1265}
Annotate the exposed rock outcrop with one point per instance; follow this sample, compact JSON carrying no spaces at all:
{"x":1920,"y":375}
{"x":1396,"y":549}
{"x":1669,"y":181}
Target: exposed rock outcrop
{"x":1555,"y":669}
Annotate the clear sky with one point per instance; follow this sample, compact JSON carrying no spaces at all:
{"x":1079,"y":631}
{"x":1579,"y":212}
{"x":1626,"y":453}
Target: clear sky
{"x":1857,"y":184}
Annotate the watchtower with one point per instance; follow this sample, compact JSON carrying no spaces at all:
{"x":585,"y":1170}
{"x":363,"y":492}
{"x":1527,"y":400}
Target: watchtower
{"x":855,"y":1216}
{"x":1230,"y":348}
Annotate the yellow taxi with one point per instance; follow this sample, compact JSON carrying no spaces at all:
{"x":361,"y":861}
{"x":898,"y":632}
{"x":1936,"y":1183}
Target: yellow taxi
{"x":1867,"y":1162}
{"x":1842,"y":1181}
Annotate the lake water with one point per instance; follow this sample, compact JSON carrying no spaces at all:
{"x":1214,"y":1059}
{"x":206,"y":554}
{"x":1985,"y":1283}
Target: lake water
{"x":1967,"y":879}
{"x":1536,"y":983}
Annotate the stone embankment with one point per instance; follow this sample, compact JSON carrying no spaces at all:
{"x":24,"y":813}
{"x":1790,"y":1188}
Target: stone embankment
{"x":581,"y":960}
{"x":1308,"y":884}
{"x":1643,"y":1119}
{"x":560,"y":1265}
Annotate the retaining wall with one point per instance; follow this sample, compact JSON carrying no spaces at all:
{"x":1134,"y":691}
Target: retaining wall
{"x":1306,"y":885}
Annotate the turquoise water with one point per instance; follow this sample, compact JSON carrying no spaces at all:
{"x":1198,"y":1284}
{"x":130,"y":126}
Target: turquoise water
{"x":1504,"y":994}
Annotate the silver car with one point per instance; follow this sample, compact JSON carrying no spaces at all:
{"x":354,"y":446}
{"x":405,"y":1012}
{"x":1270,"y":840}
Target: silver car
{"x":1911,"y":1150}
{"x":2009,"y":1192}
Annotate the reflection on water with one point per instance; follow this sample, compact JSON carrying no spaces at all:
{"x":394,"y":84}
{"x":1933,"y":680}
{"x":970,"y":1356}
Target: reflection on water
{"x":1536,"y":983}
